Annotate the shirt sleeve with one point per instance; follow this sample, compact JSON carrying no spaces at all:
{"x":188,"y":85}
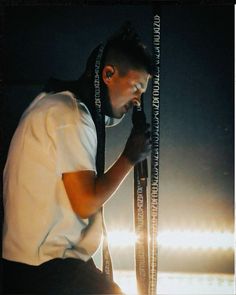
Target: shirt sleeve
{"x":76,"y":146}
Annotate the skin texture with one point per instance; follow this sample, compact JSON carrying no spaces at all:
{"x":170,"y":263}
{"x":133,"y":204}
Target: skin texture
{"x":124,"y":91}
{"x":87,"y":193}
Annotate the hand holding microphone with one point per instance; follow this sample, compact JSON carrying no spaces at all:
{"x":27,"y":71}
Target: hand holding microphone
{"x":138,"y":145}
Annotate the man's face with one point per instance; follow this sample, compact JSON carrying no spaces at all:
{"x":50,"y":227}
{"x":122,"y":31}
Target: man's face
{"x":124,"y":91}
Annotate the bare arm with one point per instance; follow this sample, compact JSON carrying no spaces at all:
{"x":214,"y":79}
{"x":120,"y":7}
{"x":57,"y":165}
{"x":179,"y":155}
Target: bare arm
{"x":87,"y":193}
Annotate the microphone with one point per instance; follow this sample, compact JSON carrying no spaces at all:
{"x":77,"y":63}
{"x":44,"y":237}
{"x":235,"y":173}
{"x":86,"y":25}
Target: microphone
{"x":139,"y":123}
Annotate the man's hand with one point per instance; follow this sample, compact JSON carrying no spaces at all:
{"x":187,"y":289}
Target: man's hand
{"x":138,"y":145}
{"x":87,"y":193}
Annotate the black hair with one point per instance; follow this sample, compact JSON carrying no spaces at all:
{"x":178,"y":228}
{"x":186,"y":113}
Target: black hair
{"x":124,"y":50}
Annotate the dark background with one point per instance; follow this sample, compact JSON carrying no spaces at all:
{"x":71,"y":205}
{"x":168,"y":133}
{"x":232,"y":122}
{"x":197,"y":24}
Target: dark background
{"x":197,"y":107}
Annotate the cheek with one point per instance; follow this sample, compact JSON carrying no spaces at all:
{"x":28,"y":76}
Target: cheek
{"x":120,"y":93}
{"x":112,"y":91}
{"x":114,"y":96}
{"x":126,"y":90}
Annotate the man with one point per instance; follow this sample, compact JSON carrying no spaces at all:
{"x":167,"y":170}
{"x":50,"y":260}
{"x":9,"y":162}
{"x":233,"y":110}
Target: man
{"x":54,"y":184}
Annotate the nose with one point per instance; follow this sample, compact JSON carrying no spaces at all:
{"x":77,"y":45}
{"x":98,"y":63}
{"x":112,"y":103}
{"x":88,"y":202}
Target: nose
{"x":136,"y":101}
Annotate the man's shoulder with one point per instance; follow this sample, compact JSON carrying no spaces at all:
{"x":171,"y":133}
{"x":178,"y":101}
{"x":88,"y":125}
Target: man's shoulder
{"x":59,"y":109}
{"x":64,"y":99}
{"x":60,"y":102}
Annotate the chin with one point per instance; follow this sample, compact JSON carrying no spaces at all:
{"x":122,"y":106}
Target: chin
{"x":111,"y":111}
{"x":118,"y":115}
{"x":114,"y":113}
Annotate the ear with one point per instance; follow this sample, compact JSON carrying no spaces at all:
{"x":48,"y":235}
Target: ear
{"x":107,"y":74}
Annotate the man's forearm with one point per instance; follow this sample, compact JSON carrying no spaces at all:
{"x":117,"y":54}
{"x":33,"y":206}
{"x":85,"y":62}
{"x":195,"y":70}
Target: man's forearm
{"x":107,"y":184}
{"x":87,"y":193}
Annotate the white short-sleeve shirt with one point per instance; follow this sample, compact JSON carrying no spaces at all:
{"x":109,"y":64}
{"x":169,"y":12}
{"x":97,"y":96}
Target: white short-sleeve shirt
{"x":56,"y":134}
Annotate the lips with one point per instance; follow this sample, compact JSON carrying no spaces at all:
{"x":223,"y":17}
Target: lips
{"x":127,"y":107}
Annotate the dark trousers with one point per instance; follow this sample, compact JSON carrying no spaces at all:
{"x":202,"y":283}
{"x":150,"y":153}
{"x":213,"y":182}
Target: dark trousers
{"x":58,"y":276}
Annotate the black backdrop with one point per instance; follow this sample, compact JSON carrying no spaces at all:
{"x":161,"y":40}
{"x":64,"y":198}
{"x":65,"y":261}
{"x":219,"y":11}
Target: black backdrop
{"x":197,"y":99}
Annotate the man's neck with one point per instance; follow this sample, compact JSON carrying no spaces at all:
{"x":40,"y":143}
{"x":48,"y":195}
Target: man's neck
{"x":84,"y":90}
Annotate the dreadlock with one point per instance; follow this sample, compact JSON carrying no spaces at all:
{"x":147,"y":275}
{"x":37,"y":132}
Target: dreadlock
{"x":126,"y":51}
{"x":123,"y":50}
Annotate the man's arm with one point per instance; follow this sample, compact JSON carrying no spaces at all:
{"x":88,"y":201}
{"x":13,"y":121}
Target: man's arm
{"x":87,"y":193}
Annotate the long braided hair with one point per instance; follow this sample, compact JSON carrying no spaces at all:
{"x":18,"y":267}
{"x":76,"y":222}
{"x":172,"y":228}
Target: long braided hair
{"x":124,"y":50}
{"x":96,"y":105}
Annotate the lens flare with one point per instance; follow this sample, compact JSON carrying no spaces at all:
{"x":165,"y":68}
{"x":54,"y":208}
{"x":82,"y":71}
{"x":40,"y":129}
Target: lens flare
{"x":121,"y":238}
{"x":186,"y":239}
{"x":196,"y":239}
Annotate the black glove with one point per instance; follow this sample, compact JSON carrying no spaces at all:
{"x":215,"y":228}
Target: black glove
{"x":138,"y":145}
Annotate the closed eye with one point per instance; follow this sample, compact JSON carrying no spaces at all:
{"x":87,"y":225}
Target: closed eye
{"x":137,"y":87}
